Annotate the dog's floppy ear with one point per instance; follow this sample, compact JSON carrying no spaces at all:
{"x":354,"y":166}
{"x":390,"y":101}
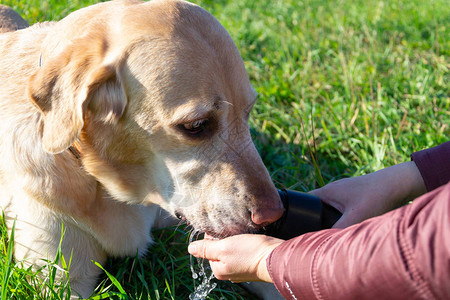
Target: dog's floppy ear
{"x":65,"y":86}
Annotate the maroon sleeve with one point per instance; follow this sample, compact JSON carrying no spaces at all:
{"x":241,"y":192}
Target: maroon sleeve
{"x":434,"y":165}
{"x":404,"y":254}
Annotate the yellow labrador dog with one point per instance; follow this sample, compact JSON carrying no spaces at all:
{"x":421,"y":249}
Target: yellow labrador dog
{"x":118,"y":109}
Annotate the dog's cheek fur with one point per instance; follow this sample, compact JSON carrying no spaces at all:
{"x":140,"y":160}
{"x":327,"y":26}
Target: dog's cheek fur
{"x":226,"y":208}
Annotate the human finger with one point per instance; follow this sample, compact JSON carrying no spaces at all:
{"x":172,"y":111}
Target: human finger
{"x":204,"y":249}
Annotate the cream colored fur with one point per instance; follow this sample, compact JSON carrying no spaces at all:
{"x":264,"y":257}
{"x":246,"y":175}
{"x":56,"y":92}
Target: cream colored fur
{"x":118,"y":83}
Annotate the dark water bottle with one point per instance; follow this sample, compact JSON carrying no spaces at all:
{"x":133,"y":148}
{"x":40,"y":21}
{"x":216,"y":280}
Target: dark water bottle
{"x":302,"y":213}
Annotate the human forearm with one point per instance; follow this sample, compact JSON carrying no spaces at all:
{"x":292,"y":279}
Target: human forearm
{"x":363,"y":197}
{"x":403,"y":181}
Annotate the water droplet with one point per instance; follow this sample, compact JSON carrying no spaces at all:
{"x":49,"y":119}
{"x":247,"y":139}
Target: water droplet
{"x":206,"y":286}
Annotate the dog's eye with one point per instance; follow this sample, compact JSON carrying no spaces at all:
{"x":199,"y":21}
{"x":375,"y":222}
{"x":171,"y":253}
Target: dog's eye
{"x":194,"y":128}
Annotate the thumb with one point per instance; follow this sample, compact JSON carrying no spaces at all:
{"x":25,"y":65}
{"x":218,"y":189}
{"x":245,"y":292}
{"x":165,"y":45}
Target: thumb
{"x":204,"y":249}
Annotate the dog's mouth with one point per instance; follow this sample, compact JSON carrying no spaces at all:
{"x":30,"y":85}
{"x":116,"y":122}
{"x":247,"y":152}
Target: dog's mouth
{"x":225,"y":231}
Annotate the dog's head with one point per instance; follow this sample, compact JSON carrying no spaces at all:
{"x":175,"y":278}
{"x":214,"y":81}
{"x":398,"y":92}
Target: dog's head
{"x":156,"y":99}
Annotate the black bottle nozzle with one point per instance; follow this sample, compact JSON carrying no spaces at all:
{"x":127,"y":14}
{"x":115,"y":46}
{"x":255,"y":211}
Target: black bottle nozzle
{"x":303,"y":213}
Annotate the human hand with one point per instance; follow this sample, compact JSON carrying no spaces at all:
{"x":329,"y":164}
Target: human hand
{"x":363,"y":197}
{"x":237,"y":258}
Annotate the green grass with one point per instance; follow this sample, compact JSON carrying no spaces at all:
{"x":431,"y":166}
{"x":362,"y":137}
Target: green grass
{"x":362,"y":83}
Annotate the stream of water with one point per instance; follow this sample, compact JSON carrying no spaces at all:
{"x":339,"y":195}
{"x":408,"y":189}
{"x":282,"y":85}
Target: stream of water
{"x":202,"y":271}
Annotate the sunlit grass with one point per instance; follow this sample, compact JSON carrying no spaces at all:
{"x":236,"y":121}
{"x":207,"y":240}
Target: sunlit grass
{"x":360,"y":85}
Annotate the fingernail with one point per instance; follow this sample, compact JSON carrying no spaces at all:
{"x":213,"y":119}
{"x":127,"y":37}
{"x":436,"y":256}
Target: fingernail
{"x":192,"y":249}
